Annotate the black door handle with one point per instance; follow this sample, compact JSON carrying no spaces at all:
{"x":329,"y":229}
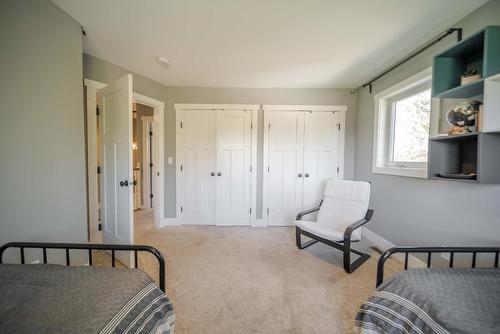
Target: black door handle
{"x":213,"y":174}
{"x":135,"y":182}
{"x":299,"y":175}
{"x":124,"y":183}
{"x":306,"y":175}
{"x":219,"y":174}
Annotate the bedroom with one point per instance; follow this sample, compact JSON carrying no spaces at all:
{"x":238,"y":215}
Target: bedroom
{"x":264,"y":64}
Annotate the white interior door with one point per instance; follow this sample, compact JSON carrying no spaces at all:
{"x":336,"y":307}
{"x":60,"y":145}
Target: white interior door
{"x":321,"y":154}
{"x":116,"y":159}
{"x":234,"y":144}
{"x":285,"y":170}
{"x":199,"y":172}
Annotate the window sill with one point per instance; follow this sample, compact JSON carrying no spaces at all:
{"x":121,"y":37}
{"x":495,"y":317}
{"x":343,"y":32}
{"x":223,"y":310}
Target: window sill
{"x":420,"y":173}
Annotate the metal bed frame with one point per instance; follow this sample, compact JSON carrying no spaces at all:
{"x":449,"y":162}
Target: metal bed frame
{"x":89,"y":247}
{"x":344,"y":245}
{"x":429,"y":251}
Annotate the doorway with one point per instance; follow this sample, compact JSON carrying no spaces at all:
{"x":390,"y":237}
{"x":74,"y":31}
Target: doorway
{"x":146,"y":163}
{"x":303,"y":147}
{"x":216,"y":164}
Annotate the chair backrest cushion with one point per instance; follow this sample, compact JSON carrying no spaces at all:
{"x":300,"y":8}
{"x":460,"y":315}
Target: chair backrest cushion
{"x":344,"y":203}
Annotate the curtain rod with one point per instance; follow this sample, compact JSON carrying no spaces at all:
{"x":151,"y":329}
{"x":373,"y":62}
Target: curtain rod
{"x":422,"y":49}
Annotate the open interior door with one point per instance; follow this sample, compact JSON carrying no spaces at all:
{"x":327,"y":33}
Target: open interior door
{"x":116,"y":158}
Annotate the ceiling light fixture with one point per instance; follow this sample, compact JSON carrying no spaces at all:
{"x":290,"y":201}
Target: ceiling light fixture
{"x":162,"y":61}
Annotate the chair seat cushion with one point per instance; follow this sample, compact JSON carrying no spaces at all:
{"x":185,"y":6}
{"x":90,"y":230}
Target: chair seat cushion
{"x":323,"y":230}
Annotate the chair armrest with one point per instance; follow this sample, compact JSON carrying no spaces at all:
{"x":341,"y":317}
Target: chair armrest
{"x":358,"y":224}
{"x":306,"y":212}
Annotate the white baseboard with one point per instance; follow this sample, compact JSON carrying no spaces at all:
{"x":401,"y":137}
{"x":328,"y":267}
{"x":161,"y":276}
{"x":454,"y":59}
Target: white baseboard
{"x":384,"y":244}
{"x":259,"y":223}
{"x":170,"y":222}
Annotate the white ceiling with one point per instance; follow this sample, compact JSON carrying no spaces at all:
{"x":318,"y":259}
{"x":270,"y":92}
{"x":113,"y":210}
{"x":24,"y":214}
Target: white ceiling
{"x":261,"y":43}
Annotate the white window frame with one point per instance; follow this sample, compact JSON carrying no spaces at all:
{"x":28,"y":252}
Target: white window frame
{"x":384,"y":126}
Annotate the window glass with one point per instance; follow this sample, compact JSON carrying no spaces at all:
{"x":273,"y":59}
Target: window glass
{"x":410,"y":132}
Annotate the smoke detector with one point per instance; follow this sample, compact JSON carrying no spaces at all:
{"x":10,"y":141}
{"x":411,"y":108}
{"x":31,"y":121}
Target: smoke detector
{"x":162,"y":61}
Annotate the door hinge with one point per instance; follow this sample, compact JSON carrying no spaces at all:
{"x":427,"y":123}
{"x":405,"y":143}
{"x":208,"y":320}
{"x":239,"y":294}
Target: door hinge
{"x":269,"y":126}
{"x":181,"y":125}
{"x":250,"y":210}
{"x":338,"y":126}
{"x":150,"y":164}
{"x":251,"y":126}
{"x":99,"y":227}
{"x":267,"y":210}
{"x":338,"y":169}
{"x":181,"y":168}
{"x":98,"y":169}
{"x":268,"y":169}
{"x":97,"y":110}
{"x":150,"y":195}
{"x":182,"y":209}
{"x":151,"y":133}
{"x":250,"y":169}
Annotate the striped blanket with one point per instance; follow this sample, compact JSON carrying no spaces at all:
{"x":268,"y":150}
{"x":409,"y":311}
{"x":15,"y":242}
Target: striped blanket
{"x":59,"y":299}
{"x":434,"y":300}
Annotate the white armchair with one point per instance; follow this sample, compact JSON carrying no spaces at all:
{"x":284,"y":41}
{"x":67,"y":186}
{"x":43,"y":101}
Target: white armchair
{"x":342,"y":213}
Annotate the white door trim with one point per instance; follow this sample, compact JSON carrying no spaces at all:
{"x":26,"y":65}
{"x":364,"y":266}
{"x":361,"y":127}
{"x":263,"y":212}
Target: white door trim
{"x":93,"y":88}
{"x":146,"y":121}
{"x":158,"y":154}
{"x":267,"y":108}
{"x":92,"y":186}
{"x":179,"y":108}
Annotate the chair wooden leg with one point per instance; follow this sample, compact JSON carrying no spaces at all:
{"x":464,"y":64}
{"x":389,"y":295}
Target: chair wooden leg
{"x":351,"y":267}
{"x":298,"y":233}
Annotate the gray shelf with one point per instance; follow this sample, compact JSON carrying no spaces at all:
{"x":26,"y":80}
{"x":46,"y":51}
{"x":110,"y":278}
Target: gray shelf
{"x":470,"y":153}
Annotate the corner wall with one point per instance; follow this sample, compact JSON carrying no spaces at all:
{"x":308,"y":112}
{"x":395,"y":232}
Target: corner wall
{"x":411,"y":211}
{"x":42,"y":168}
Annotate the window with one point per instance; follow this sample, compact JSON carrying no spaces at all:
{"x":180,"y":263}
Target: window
{"x":402,"y":127}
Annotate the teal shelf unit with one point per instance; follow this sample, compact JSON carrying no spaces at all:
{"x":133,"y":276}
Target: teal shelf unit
{"x":477,"y":152}
{"x":480,"y":51}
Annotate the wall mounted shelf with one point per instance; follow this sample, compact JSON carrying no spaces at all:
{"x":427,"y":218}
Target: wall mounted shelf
{"x":471,"y":153}
{"x":480,"y":52}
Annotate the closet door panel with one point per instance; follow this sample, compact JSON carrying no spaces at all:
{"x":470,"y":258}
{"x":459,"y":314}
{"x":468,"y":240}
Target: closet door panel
{"x":321,"y":154}
{"x":286,"y":135}
{"x":198,"y":186}
{"x":233,"y":160}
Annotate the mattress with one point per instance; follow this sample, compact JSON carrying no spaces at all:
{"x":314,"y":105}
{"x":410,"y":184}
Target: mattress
{"x":46,"y":298}
{"x":434,"y":300}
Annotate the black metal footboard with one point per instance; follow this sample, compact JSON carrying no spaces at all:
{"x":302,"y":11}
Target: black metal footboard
{"x":90,"y":247}
{"x":429,"y":251}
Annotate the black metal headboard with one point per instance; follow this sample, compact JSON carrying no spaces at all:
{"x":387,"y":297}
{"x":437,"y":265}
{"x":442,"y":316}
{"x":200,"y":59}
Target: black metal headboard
{"x":429,"y":251}
{"x":90,"y":247}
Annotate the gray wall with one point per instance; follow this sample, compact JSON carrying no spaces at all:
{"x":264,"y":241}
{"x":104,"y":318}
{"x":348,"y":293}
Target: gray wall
{"x":100,"y":70}
{"x":42,"y":169}
{"x":412,"y":211}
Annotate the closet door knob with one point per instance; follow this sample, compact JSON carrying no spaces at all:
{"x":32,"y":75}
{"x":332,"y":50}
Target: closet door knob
{"x":124,"y":183}
{"x":219,"y":174}
{"x":213,"y":174}
{"x":299,"y":175}
{"x":306,"y":175}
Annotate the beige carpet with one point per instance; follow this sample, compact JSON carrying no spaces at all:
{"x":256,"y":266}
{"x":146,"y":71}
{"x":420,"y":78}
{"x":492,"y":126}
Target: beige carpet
{"x":254,"y":280}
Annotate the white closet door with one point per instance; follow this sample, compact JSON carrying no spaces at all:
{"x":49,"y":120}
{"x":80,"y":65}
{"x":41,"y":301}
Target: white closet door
{"x":321,"y":154}
{"x":198,"y":164}
{"x":285,"y":175}
{"x":233,"y":167}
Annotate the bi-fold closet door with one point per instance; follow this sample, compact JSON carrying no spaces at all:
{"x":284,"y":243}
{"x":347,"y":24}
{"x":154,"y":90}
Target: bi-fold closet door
{"x":215,"y":167}
{"x":304,"y":150}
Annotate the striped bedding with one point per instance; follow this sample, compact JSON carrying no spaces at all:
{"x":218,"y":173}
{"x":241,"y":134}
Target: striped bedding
{"x":59,"y":299}
{"x":434,"y":300}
